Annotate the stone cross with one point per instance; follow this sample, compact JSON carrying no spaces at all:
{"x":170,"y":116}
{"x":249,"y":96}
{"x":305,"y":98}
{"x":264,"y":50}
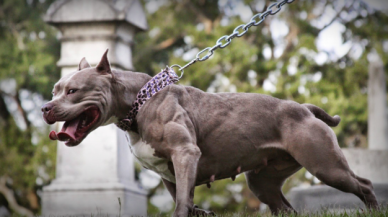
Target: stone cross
{"x":92,"y":176}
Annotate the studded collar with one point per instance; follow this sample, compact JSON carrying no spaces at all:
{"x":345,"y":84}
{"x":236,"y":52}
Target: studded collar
{"x":161,"y":80}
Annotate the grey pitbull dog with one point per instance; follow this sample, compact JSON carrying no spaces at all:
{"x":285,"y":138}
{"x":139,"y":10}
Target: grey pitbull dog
{"x":191,"y":138}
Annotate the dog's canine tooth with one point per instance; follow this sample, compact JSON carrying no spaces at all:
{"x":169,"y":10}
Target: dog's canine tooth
{"x":239,"y":169}
{"x":212,"y":178}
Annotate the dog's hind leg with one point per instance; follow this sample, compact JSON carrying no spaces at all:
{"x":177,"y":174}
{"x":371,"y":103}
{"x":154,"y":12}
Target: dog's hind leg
{"x":314,"y":145}
{"x":267,"y":184}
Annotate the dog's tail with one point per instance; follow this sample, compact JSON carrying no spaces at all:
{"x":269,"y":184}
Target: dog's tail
{"x":322,"y":115}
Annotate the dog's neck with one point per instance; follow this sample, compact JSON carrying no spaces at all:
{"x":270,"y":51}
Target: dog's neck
{"x":161,"y":80}
{"x":125,"y":87}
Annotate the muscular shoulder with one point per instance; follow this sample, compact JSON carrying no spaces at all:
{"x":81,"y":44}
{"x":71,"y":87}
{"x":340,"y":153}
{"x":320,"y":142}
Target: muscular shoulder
{"x":180,"y":90}
{"x":164,"y":106}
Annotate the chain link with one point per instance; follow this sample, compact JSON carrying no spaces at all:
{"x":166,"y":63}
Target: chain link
{"x":239,"y":31}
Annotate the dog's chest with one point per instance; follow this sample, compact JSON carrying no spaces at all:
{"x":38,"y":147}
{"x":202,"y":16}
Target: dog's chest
{"x":144,"y":153}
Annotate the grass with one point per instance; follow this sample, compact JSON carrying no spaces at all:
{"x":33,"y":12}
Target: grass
{"x":382,"y":212}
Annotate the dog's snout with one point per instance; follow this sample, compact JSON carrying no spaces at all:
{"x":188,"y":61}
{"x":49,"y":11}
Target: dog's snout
{"x":47,"y":107}
{"x":48,"y":116}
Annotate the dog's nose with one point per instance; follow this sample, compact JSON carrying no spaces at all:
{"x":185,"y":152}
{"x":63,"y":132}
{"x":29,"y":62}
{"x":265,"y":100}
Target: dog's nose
{"x":47,"y":107}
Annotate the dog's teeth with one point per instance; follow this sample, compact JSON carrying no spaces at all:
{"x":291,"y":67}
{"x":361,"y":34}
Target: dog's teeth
{"x":212,"y":178}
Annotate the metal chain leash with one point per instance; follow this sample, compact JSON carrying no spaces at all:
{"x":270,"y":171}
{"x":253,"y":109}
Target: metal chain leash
{"x":237,"y":32}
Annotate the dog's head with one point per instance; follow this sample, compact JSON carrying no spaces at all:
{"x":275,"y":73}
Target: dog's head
{"x":81,"y":100}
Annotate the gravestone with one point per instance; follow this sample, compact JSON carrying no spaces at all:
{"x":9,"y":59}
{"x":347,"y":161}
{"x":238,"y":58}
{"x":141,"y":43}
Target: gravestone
{"x":93,"y":175}
{"x":371,"y":163}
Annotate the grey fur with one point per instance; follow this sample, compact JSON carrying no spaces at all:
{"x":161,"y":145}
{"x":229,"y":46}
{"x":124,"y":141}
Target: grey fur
{"x":206,"y":137}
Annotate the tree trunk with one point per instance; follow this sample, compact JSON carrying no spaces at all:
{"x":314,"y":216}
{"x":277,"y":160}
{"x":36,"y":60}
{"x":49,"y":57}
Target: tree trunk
{"x":4,"y":113}
{"x":10,"y":197}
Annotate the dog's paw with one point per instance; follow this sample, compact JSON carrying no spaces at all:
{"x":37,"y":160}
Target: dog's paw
{"x":201,"y":212}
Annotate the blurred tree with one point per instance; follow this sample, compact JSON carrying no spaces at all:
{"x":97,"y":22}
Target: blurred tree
{"x":311,"y":52}
{"x":28,"y":55}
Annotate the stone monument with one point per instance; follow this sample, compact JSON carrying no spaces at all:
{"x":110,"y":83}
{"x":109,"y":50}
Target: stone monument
{"x":371,"y":163}
{"x":92,"y":176}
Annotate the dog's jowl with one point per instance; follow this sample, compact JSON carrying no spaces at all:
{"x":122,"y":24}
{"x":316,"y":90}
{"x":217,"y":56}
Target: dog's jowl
{"x":191,"y":137}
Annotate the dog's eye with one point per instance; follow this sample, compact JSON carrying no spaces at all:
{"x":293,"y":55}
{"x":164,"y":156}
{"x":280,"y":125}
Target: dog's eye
{"x":71,"y":91}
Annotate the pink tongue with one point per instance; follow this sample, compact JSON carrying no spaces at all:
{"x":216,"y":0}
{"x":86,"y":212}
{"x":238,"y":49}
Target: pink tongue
{"x":68,"y":131}
{"x":53,"y":135}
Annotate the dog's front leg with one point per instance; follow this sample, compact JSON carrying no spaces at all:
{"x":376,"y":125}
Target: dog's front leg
{"x":185,"y":159}
{"x":171,"y":187}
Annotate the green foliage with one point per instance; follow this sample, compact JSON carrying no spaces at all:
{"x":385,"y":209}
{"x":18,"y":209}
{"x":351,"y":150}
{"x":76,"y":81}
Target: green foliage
{"x":28,"y":166}
{"x":28,"y":55}
{"x":29,"y":46}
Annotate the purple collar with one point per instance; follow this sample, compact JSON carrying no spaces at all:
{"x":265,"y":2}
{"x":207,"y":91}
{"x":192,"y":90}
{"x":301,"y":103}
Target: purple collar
{"x":161,"y":80}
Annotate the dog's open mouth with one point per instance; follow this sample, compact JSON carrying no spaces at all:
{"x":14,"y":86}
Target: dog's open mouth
{"x":74,"y":131}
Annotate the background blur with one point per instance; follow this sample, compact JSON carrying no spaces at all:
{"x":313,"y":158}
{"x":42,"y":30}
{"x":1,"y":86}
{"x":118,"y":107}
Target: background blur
{"x":311,"y":52}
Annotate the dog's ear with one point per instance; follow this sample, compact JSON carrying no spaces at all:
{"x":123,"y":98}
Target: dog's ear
{"x":83,"y":64}
{"x":104,"y":66}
